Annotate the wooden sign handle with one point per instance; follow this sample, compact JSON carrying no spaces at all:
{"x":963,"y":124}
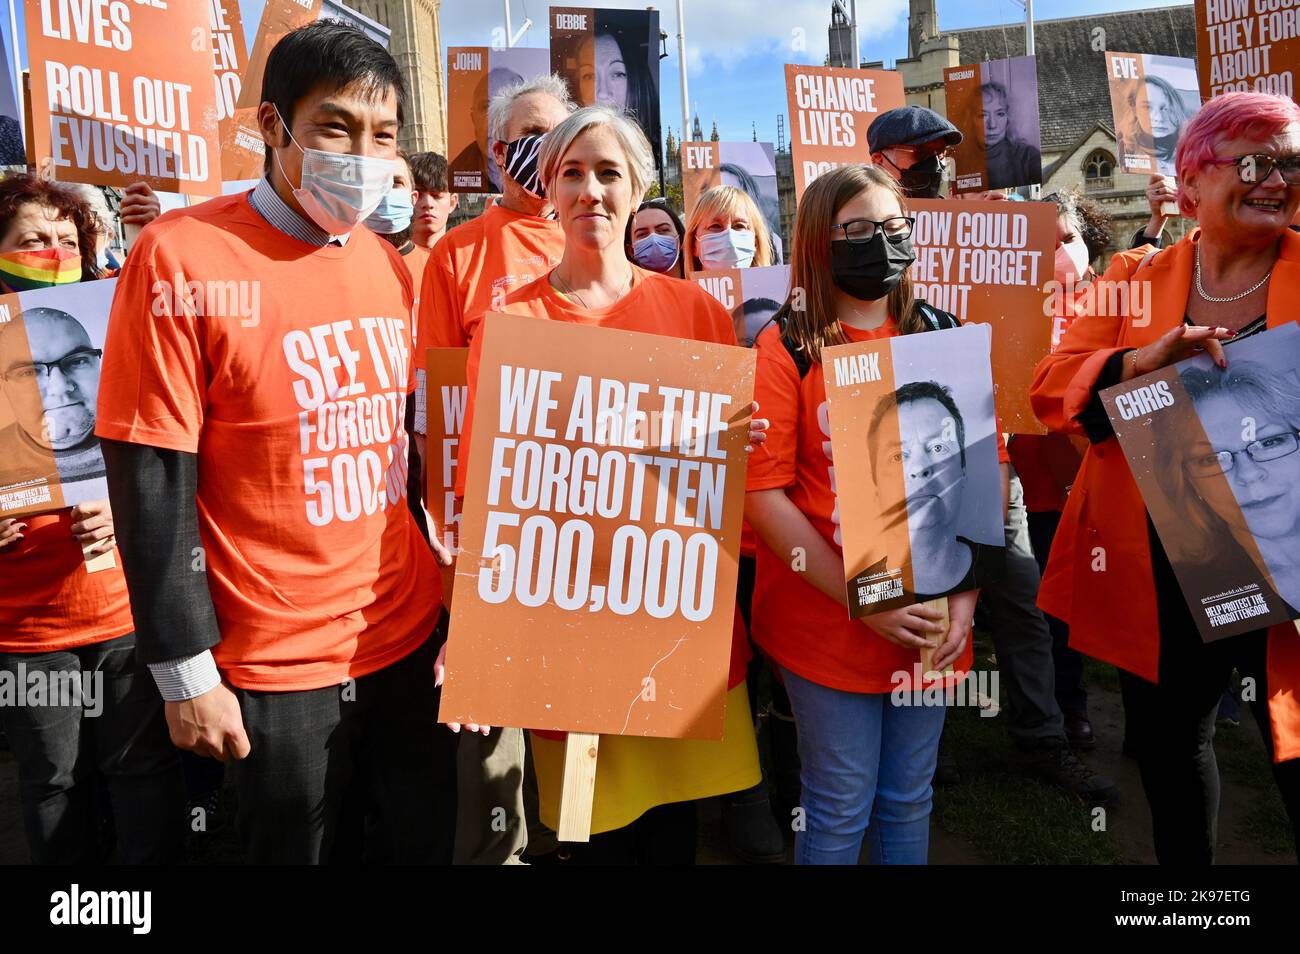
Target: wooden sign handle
{"x":927,"y":653}
{"x":579,"y":787}
{"x":1170,"y":209}
{"x":99,"y":561}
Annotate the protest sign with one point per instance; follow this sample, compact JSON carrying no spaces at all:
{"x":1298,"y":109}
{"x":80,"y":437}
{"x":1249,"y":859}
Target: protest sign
{"x":51,"y":343}
{"x":830,"y":110}
{"x":600,"y":533}
{"x":610,"y":57}
{"x":474,"y":75}
{"x":124,"y":93}
{"x":1247,"y":45}
{"x":447,"y":387}
{"x":748,"y":166}
{"x":242,"y":148}
{"x":1213,"y":452}
{"x":995,"y":105}
{"x":916,"y":465}
{"x":991,"y":262}
{"x":278,"y":18}
{"x":751,"y":295}
{"x":1152,"y":98}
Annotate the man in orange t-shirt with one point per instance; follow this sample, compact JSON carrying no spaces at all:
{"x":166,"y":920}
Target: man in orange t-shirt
{"x":257,"y":462}
{"x":470,"y":271}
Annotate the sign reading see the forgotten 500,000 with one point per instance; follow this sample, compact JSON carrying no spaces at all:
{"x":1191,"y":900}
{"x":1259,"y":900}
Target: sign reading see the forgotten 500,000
{"x":916,"y":466}
{"x":600,"y":535}
{"x":1216,"y":455}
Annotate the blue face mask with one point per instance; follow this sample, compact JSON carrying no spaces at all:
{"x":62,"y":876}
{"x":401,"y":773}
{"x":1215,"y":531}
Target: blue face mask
{"x":733,"y":248}
{"x":393,"y":214}
{"x":656,"y":252}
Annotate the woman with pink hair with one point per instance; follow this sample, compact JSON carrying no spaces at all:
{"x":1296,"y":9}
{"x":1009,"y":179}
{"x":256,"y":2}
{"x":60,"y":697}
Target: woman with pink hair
{"x":1108,"y":576}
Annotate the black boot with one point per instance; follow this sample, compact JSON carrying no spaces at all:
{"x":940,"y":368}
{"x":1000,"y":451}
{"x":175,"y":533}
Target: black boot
{"x":751,"y":830}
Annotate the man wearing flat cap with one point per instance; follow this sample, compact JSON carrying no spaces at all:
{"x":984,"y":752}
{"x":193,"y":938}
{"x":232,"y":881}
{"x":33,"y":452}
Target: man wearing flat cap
{"x":908,"y":143}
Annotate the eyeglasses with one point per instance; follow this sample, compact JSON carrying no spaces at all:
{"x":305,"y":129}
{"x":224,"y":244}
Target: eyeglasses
{"x":1257,"y":167}
{"x":1261,"y":452}
{"x":79,"y":362}
{"x":860,"y":231}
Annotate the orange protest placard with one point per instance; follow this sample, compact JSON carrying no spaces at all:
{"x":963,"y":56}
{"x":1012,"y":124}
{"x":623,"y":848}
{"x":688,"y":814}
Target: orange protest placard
{"x":123,"y":92}
{"x":474,"y":75}
{"x":242,"y":148}
{"x":1246,"y":45}
{"x":995,"y":105}
{"x":446,"y":385}
{"x":752,"y":295}
{"x":278,"y":18}
{"x":1152,"y":98}
{"x":991,"y":262}
{"x":916,"y":465}
{"x":701,"y":171}
{"x":830,"y":110}
{"x":601,"y":531}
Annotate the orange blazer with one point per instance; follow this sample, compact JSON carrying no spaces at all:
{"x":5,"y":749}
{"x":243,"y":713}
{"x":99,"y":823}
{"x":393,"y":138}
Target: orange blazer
{"x":1098,"y":577}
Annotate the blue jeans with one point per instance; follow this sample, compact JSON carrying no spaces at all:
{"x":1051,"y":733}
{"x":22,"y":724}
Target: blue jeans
{"x":866,"y":769}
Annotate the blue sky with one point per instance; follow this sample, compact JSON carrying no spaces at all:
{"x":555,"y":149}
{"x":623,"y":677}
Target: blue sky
{"x":735,"y":48}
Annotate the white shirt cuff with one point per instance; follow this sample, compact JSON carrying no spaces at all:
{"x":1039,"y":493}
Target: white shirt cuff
{"x":421,"y":405}
{"x":186,"y":677}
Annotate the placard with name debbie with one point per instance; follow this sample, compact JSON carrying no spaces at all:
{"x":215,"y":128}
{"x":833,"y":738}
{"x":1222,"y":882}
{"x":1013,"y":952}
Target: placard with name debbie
{"x":830,"y":110}
{"x":916,"y":466}
{"x":1215,"y":454}
{"x":600,"y":535}
{"x":124,"y":92}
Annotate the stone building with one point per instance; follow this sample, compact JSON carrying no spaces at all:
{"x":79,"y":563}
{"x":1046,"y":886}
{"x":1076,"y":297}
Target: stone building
{"x":416,"y":44}
{"x":1078,"y":134}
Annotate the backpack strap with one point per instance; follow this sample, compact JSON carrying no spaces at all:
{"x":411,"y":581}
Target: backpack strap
{"x":936,"y":319}
{"x":802,"y":362}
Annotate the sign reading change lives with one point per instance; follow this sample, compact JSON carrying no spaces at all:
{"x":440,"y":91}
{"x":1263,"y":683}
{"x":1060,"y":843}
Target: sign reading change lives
{"x":1214,"y":452}
{"x":123,"y":92}
{"x":916,"y":465}
{"x":830,"y":110}
{"x":601,"y":531}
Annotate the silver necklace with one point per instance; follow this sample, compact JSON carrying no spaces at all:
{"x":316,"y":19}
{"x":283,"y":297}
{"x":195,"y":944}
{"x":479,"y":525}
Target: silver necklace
{"x":1200,"y":289}
{"x":569,"y":290}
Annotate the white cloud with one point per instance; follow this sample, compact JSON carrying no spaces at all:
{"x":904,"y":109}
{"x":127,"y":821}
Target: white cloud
{"x":718,"y":32}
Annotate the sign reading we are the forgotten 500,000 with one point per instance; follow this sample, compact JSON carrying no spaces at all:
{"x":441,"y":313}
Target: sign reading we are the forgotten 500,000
{"x":600,"y":534}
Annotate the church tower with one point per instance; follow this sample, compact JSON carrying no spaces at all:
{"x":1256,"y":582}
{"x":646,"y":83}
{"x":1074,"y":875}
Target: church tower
{"x":416,"y":45}
{"x":922,"y":24}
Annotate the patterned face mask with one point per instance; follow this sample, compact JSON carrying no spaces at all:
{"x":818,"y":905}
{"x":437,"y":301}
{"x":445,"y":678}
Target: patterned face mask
{"x":521,"y":163}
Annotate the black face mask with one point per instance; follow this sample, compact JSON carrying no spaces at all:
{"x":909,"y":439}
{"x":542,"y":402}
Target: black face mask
{"x":871,"y":270}
{"x":923,"y":180}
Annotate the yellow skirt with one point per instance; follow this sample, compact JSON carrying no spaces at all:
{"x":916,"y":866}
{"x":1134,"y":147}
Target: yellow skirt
{"x":635,"y":773}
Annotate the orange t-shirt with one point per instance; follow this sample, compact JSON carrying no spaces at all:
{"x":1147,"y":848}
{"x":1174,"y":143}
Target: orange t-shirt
{"x":415,"y":259}
{"x":317,"y":570}
{"x":475,"y":266}
{"x":48,"y":602}
{"x":792,"y":621}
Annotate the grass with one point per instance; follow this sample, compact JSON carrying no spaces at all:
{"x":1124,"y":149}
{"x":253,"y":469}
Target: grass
{"x":1006,"y":814}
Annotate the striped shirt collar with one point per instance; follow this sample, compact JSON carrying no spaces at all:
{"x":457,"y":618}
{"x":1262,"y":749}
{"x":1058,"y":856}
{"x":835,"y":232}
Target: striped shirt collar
{"x":267,"y":203}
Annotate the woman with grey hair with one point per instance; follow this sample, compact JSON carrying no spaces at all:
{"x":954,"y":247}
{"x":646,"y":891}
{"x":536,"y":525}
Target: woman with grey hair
{"x":595,"y":167}
{"x":1229,"y":490}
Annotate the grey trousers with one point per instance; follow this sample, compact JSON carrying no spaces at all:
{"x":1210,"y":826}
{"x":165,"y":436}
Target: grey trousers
{"x":497,"y":808}
{"x":1021,"y":637}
